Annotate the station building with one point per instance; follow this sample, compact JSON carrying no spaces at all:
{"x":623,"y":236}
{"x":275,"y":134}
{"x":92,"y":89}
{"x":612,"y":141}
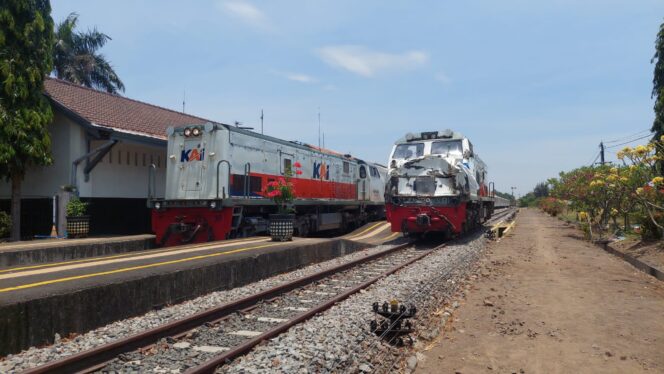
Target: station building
{"x":103,"y":145}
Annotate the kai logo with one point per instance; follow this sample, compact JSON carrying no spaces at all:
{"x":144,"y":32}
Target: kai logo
{"x":192,"y":154}
{"x":321,"y":171}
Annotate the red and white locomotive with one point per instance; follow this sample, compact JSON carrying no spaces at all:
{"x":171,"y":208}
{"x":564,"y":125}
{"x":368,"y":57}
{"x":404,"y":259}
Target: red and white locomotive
{"x":436,"y":183}
{"x":216,"y":176}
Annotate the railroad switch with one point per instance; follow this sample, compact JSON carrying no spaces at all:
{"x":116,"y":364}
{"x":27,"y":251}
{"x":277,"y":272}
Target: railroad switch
{"x":394,"y":327}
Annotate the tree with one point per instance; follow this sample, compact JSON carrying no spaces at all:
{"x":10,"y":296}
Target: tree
{"x":658,"y":84}
{"x":541,"y":189}
{"x":76,"y":58}
{"x":26,"y":50}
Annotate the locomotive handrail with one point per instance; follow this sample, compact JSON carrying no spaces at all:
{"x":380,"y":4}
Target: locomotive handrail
{"x":152,"y":181}
{"x":229,"y":178}
{"x":247,"y":179}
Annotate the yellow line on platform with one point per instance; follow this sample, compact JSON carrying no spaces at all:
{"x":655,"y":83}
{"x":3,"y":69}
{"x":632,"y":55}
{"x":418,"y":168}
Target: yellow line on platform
{"x":360,"y":233}
{"x":375,"y":232}
{"x":123,"y":270}
{"x":224,"y":243}
{"x":392,"y":236}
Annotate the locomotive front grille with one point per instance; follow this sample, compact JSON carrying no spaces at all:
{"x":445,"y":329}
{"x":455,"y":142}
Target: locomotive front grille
{"x":425,"y":186}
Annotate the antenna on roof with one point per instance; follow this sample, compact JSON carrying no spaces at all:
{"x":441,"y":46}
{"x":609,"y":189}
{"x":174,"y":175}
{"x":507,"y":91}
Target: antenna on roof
{"x":184,"y":98}
{"x":261,"y":121}
{"x":323,"y":139}
{"x":318,"y":127}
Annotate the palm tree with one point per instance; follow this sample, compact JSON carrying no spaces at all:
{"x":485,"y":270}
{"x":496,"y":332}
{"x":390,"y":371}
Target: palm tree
{"x":75,"y":57}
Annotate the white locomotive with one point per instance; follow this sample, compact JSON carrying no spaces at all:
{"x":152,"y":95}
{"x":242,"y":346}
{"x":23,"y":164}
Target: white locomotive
{"x":216,"y":177}
{"x":436,"y":183}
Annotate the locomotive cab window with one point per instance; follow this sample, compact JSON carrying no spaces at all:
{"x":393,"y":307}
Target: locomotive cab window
{"x":287,"y":166}
{"x":408,"y":151}
{"x":346,"y":167}
{"x":363,"y":172}
{"x":446,"y":147}
{"x":374,"y":172}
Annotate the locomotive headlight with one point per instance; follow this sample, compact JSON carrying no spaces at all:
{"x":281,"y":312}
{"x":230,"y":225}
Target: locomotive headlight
{"x":213,"y":204}
{"x":187,"y":132}
{"x":157,"y":206}
{"x":196,"y":131}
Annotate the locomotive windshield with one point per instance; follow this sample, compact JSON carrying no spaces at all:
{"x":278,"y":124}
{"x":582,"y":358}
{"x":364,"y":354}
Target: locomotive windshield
{"x":409,"y":150}
{"x":446,"y":147}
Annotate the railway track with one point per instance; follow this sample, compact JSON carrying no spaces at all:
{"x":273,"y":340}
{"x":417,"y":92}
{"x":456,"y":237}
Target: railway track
{"x":206,"y":340}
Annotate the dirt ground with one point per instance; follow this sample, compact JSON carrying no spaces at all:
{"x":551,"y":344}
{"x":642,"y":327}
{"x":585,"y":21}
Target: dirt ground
{"x":547,"y":302}
{"x":652,"y":253}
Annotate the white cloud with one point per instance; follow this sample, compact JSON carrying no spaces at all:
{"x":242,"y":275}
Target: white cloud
{"x":442,"y":78}
{"x":245,"y":11}
{"x":366,"y":62}
{"x":300,"y":77}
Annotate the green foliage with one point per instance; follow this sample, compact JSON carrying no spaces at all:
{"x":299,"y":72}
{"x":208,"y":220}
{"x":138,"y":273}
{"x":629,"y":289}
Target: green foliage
{"x":77,"y":59}
{"x":658,"y":84}
{"x":26,"y":42}
{"x":5,"y":224}
{"x":541,"y":189}
{"x":528,"y":200}
{"x":76,"y":208}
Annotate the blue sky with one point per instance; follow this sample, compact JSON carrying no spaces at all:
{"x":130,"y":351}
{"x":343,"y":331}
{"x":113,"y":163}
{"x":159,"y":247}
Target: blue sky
{"x":535,"y":85}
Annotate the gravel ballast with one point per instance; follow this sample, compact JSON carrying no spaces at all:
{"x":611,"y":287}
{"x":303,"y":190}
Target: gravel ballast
{"x":340,"y":340}
{"x":34,"y":356}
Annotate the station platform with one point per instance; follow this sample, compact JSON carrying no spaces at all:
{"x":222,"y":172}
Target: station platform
{"x":51,"y":250}
{"x":74,"y":296}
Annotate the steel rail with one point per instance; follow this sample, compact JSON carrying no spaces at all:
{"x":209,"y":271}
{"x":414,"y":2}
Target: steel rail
{"x":211,"y":365}
{"x":92,"y":358}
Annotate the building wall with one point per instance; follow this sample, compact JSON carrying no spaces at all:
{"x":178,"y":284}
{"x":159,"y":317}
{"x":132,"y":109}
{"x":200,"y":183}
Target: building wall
{"x":44,"y":182}
{"x":124,"y":172}
{"x":117,"y":187}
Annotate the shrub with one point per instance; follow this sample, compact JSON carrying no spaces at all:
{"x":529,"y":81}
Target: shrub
{"x":76,"y":208}
{"x":5,"y":224}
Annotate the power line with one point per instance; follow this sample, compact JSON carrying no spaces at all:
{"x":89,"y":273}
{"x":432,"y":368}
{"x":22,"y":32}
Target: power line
{"x":627,"y":137}
{"x":631,"y":141}
{"x":596,"y":156}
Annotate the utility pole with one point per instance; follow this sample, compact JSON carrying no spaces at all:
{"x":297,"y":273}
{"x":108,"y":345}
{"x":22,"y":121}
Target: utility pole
{"x":513,"y":188}
{"x":261,"y":121}
{"x":601,"y":152}
{"x":184,"y":98}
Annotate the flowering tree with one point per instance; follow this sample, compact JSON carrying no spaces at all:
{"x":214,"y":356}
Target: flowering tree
{"x":282,"y":191}
{"x":649,"y":193}
{"x":603,"y":193}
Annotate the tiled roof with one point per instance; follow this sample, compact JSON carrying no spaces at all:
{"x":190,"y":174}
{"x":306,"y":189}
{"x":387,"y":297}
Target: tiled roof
{"x":116,"y":112}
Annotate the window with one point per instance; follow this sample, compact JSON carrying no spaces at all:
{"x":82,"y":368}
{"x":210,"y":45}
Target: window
{"x":446,"y":147}
{"x":144,"y":159}
{"x":135,"y":158}
{"x":287,"y":166}
{"x":374,"y":172}
{"x":151,"y":159}
{"x":363,"y":172}
{"x":237,"y":184}
{"x":409,"y":150}
{"x":128,"y":158}
{"x":119,"y":157}
{"x":346,"y":167}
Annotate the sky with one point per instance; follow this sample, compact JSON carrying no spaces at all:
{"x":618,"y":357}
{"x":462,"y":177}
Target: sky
{"x":535,"y":85}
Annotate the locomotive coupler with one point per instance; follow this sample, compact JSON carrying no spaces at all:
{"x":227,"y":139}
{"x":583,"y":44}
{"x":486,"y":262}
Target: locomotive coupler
{"x":394,"y":327}
{"x":423,"y":220}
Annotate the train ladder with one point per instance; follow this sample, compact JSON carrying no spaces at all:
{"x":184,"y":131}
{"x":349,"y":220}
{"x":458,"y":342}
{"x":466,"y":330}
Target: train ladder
{"x":236,"y":220}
